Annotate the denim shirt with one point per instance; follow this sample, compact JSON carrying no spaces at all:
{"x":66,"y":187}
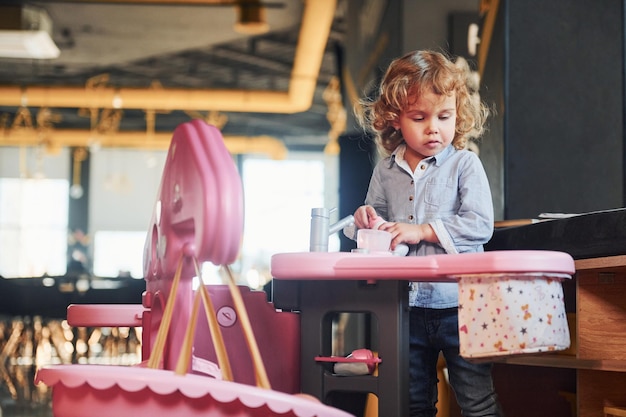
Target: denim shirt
{"x":448,"y":191}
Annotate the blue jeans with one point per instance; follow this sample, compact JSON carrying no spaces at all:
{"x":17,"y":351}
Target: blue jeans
{"x":433,"y":331}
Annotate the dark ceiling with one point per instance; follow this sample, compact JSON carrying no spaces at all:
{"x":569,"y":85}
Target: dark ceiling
{"x":181,"y":45}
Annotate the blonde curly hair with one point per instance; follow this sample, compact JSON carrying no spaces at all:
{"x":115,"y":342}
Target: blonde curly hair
{"x":409,"y":77}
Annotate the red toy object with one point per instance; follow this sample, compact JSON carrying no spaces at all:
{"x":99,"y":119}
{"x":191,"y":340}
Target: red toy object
{"x":198,"y":217}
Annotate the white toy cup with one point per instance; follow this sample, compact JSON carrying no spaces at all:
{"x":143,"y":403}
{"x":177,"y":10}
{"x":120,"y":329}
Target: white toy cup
{"x":373,"y":240}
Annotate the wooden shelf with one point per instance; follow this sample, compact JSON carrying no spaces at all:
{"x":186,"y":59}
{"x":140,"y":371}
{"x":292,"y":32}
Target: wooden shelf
{"x":566,"y":361}
{"x":608,"y":264}
{"x":597,"y":359}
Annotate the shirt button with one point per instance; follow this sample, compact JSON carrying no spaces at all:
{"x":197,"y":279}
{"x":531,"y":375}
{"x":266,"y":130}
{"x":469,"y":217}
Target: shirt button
{"x":422,"y":167}
{"x":410,"y":198}
{"x":412,"y":182}
{"x":411,"y":217}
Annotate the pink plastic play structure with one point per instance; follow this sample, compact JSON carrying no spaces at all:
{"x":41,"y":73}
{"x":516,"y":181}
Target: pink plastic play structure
{"x":198,"y":216}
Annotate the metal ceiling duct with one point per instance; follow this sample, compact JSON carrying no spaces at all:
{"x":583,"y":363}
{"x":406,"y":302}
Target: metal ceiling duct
{"x":57,"y":138}
{"x":314,"y":31}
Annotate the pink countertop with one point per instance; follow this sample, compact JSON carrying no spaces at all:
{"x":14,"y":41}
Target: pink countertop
{"x":348,"y":265}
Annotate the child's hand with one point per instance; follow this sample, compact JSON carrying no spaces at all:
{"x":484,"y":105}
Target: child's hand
{"x":365,"y":217}
{"x":409,"y":233}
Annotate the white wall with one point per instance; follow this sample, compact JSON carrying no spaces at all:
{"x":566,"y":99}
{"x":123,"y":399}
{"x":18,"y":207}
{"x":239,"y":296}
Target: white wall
{"x":123,"y":188}
{"x":425,"y":24}
{"x":32,"y":162}
{"x":123,"y":183}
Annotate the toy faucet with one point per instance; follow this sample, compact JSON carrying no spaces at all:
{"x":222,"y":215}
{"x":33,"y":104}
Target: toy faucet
{"x":321,"y":228}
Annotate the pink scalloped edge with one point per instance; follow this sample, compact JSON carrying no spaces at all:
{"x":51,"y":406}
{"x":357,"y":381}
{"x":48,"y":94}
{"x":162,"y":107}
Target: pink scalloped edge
{"x":164,"y":382}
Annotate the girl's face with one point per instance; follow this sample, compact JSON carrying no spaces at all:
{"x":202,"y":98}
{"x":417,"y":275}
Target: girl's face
{"x":427,"y":125}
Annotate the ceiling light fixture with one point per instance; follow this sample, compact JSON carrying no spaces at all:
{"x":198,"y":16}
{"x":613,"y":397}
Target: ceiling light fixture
{"x":33,"y":44}
{"x":25,"y":33}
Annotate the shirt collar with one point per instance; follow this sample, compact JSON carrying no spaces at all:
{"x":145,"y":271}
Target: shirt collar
{"x":398,"y":154}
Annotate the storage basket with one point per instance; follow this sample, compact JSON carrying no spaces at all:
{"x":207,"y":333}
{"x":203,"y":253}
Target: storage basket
{"x":511,"y":314}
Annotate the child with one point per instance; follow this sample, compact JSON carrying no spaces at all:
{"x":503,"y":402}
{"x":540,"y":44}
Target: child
{"x":433,"y":197}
